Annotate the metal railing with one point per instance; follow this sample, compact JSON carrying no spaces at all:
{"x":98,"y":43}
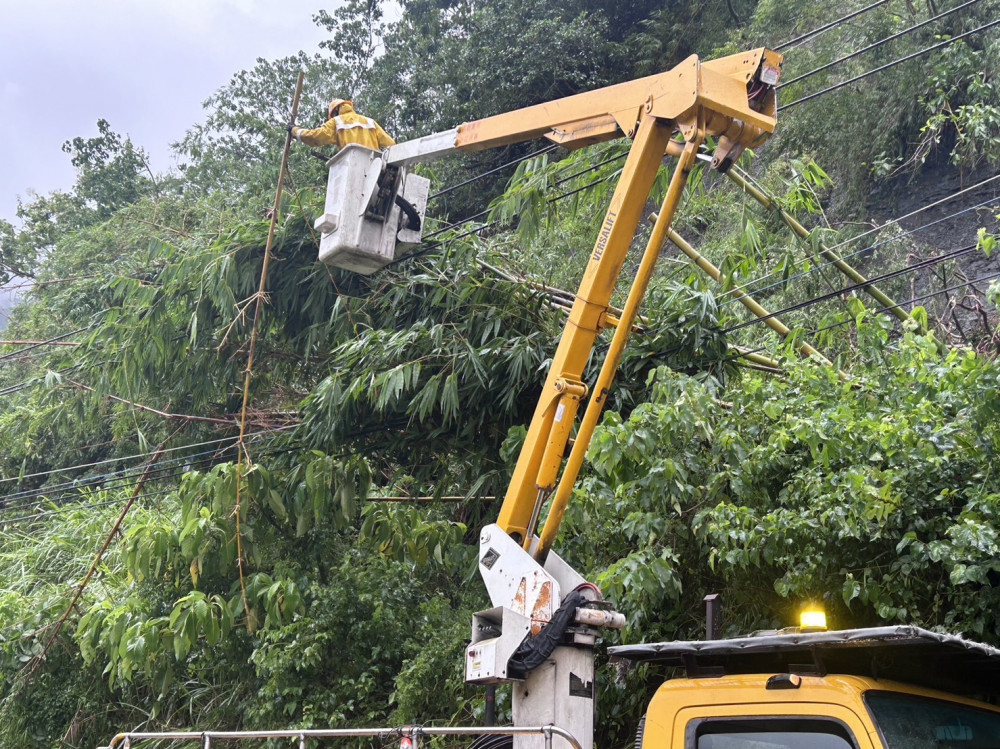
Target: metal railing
{"x":413,"y":733}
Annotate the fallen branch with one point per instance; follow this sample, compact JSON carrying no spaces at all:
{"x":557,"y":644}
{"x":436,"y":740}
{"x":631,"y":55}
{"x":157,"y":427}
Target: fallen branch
{"x":38,"y":343}
{"x":282,"y":416}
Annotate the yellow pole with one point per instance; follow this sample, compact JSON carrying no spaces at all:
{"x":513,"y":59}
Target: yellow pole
{"x":747,"y":301}
{"x":617,"y":347}
{"x":527,"y":491}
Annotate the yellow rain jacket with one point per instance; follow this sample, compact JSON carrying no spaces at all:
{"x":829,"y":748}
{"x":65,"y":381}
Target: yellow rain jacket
{"x":346,"y":127}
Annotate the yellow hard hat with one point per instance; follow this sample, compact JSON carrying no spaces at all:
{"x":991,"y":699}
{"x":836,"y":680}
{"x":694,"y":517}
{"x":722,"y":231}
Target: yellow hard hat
{"x":335,"y":104}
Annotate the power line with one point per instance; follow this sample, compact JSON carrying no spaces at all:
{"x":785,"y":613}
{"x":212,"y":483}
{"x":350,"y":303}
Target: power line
{"x":748,"y":287}
{"x":480,"y":214}
{"x":877,"y":44}
{"x":826,"y":27}
{"x":897,"y":220}
{"x":491,"y":224}
{"x":106,"y":480}
{"x":461,"y":222}
{"x":77,"y":507}
{"x":38,"y":344}
{"x":921,"y":297}
{"x":888,"y":65}
{"x":67,"y":498}
{"x":95,"y":463}
{"x":136,"y":456}
{"x":587,"y":186}
{"x":25,"y":384}
{"x":911,"y":300}
{"x":116,"y":480}
{"x":853,"y":287}
{"x":590,"y":168}
{"x":500,"y":168}
{"x":121,"y":482}
{"x":913,"y":213}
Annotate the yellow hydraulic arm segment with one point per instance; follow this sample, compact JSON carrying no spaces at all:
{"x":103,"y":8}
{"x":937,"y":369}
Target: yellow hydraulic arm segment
{"x":731,"y":99}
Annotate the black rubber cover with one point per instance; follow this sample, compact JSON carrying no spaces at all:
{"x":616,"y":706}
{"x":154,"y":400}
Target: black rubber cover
{"x":535,"y":650}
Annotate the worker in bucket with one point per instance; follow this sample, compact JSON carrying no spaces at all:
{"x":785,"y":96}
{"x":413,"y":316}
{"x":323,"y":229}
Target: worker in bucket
{"x":345,"y":126}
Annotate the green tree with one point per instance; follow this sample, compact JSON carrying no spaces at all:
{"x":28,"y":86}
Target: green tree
{"x":111,"y":171}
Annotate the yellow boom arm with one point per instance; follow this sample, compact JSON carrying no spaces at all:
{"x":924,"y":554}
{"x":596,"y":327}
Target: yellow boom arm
{"x":732,"y":99}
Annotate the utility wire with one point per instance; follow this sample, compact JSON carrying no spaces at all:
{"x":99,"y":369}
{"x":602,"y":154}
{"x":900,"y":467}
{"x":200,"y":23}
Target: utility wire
{"x":115,"y":478}
{"x":76,"y":508}
{"x":881,"y":310}
{"x":45,"y":343}
{"x":434,"y":245}
{"x":104,"y":481}
{"x":500,"y":168}
{"x":825,"y":297}
{"x":749,"y":287}
{"x":81,"y":466}
{"x":853,"y":287}
{"x":484,"y":212}
{"x":877,"y":44}
{"x":826,"y":27}
{"x":91,"y":481}
{"x":123,"y":484}
{"x":113,"y":482}
{"x":913,"y":213}
{"x":888,"y":65}
{"x":922,"y":297}
{"x":587,"y":186}
{"x":590,"y":168}
{"x":461,"y":222}
{"x":897,"y":220}
{"x":25,"y":384}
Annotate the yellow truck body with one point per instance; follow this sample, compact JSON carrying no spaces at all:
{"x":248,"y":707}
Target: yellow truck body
{"x":852,"y":689}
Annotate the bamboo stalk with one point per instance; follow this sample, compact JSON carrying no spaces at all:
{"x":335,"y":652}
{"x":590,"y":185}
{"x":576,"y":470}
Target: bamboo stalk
{"x":745,"y":299}
{"x":259,"y":298}
{"x":769,"y":202}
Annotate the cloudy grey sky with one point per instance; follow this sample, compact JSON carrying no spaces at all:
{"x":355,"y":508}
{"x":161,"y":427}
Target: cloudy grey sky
{"x":143,"y":65}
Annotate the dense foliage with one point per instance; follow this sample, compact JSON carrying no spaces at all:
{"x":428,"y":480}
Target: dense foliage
{"x":328,"y":576}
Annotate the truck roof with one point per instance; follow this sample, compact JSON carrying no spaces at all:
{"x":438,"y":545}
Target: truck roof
{"x":902,"y":653}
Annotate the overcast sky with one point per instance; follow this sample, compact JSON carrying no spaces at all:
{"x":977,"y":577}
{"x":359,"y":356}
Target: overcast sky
{"x":144,"y":65}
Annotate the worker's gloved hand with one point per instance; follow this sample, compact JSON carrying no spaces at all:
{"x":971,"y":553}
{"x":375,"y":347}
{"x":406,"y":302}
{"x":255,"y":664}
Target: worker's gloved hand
{"x":289,"y":128}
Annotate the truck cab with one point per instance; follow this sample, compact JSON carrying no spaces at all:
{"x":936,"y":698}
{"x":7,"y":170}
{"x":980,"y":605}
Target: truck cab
{"x":883,"y":688}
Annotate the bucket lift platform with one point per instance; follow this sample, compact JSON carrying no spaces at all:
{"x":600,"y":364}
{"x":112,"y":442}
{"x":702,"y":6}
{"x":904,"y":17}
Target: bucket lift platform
{"x":374,"y":212}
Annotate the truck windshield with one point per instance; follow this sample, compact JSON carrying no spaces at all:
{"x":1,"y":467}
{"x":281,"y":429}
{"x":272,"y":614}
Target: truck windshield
{"x":908,"y":722}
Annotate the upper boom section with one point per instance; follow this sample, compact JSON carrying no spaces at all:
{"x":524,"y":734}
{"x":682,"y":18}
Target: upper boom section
{"x":723,"y":87}
{"x":719,"y":86}
{"x":731,"y":99}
